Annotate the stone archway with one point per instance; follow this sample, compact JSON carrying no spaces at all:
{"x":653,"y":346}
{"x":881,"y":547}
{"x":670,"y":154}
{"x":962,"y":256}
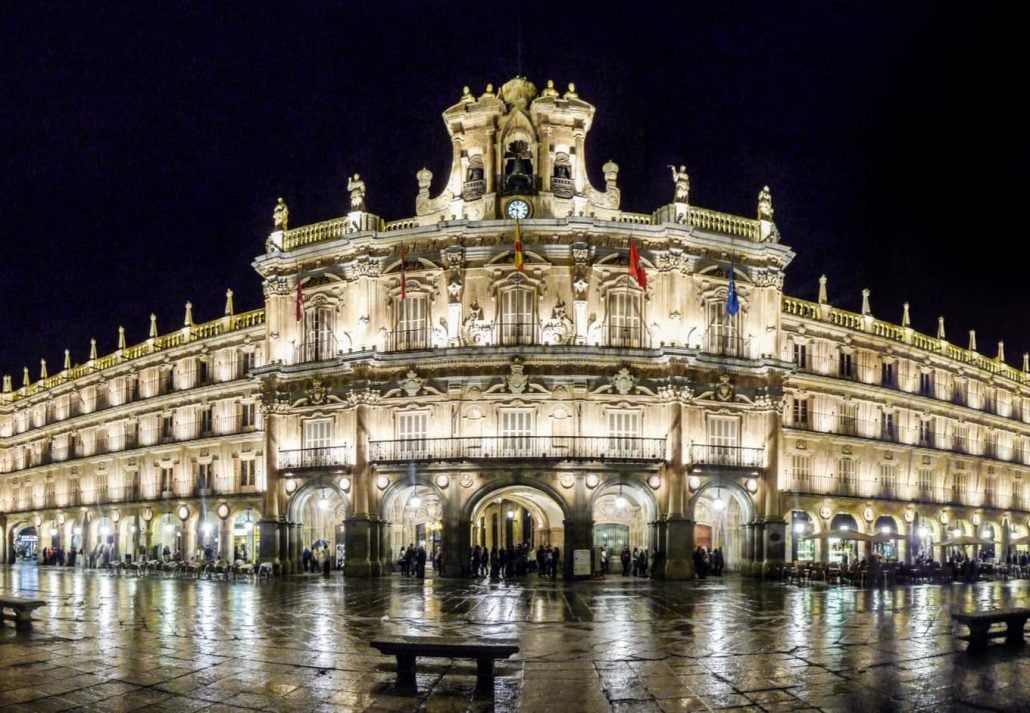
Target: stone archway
{"x":319,"y":510}
{"x":524,"y":515}
{"x":624,"y":514}
{"x":721,"y":512}
{"x":23,"y":544}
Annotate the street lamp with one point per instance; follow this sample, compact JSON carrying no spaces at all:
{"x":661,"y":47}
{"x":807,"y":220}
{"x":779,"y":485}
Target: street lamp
{"x":323,"y":502}
{"x":719,"y":505}
{"x":620,"y":499}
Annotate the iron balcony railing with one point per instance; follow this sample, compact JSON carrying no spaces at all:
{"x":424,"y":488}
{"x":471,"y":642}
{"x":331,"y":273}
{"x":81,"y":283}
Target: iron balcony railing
{"x":314,"y":351}
{"x":406,"y":340}
{"x":727,"y":343}
{"x":324,"y":457}
{"x":599,"y":448}
{"x":731,"y":456}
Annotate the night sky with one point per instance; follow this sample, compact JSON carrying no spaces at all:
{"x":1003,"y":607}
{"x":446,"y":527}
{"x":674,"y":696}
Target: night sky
{"x":143,"y":144}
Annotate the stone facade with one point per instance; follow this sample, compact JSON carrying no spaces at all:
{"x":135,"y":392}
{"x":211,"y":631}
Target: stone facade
{"x":619,"y":379}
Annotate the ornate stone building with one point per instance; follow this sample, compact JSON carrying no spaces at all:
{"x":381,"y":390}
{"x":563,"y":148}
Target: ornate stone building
{"x":520,"y":361}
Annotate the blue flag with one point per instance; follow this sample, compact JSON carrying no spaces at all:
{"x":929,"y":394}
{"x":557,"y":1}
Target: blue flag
{"x":732,"y":301}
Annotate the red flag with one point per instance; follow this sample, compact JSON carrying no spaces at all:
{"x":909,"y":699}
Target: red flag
{"x":636,"y":267}
{"x":300,"y":300}
{"x":519,"y":260}
{"x":404,"y":278}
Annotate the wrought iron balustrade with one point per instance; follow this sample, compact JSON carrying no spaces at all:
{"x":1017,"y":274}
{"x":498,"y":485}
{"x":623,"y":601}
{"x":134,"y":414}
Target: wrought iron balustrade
{"x":406,"y":340}
{"x":727,"y":343}
{"x":323,"y":457}
{"x":600,"y":448}
{"x":318,"y":350}
{"x":732,"y":456}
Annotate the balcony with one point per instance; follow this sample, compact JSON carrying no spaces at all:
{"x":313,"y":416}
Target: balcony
{"x":563,"y":187}
{"x":727,"y":456}
{"x":302,"y":458}
{"x":319,"y":350}
{"x":471,"y":190}
{"x":587,"y":448}
{"x":407,"y":340}
{"x":626,"y":336}
{"x":725,"y":343}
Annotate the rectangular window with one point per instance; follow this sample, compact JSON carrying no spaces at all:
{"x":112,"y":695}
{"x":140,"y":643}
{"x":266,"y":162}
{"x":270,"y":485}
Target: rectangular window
{"x":249,"y":362}
{"x":247,"y":474}
{"x":846,"y":365}
{"x":888,"y":427}
{"x":724,"y":441}
{"x":203,"y":371}
{"x":167,"y":429}
{"x":247,"y":412}
{"x":990,"y":491}
{"x":926,"y":433}
{"x":320,"y":344}
{"x":412,"y":326}
{"x":888,"y":480}
{"x":800,"y":413}
{"x":926,"y":384}
{"x":411,"y":432}
{"x":166,"y":480}
{"x":624,"y":320}
{"x":801,"y":470}
{"x":925,"y":482}
{"x":205,"y":421}
{"x":888,"y":375}
{"x":516,"y":431}
{"x":518,"y":316}
{"x":846,"y":474}
{"x":318,"y":434}
{"x":1017,"y":495}
{"x":722,"y":337}
{"x":203,"y":476}
{"x":801,"y":355}
{"x":959,"y":486}
{"x":847,"y":419}
{"x":623,"y":432}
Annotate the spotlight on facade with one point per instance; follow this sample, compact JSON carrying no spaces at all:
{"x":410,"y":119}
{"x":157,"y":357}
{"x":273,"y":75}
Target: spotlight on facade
{"x":511,"y":514}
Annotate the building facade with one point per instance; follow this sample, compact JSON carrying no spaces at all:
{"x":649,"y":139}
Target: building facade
{"x":522,"y":361}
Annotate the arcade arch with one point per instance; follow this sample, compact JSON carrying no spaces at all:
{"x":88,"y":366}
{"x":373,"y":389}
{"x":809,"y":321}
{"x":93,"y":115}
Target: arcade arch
{"x":719,"y":511}
{"x":321,"y":510}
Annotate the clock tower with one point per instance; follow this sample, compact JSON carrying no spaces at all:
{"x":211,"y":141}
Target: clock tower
{"x":518,"y":153}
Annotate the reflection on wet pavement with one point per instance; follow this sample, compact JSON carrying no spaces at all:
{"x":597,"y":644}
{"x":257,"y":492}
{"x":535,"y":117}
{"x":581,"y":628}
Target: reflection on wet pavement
{"x":108,"y":643}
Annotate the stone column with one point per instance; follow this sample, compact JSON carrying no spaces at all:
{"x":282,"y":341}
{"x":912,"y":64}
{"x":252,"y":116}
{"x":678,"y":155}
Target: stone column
{"x":268,"y":540}
{"x":680,"y":548}
{"x":225,"y":548}
{"x":749,"y":543}
{"x":297,"y":547}
{"x":455,"y":547}
{"x":385,"y":553}
{"x":660,"y":542}
{"x":375,"y":538}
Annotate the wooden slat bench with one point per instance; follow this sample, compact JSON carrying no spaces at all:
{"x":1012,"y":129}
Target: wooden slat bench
{"x":980,"y":623}
{"x":21,"y":608}
{"x":407,"y":648}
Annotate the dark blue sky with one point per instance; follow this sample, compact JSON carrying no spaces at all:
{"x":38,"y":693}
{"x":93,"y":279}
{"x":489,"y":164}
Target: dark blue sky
{"x":143,"y":145}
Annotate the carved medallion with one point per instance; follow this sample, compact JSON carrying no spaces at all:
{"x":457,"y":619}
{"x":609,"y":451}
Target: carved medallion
{"x":517,"y":381}
{"x":623,"y":381}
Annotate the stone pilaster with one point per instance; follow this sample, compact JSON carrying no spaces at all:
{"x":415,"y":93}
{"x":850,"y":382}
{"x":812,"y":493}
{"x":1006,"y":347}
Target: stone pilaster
{"x":679,"y":538}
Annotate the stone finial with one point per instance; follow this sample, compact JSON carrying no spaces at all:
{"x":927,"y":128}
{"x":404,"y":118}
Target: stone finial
{"x":153,"y":326}
{"x":466,"y":96}
{"x":571,"y":94}
{"x":940,"y":328}
{"x":1001,"y":351}
{"x":25,"y":377}
{"x":280,"y":216}
{"x":765,"y":207}
{"x":611,"y":173}
{"x":92,"y":349}
{"x":549,"y":90}
{"x":1026,"y":361}
{"x":972,"y":340}
{"x":822,"y":290}
{"x":42,"y":369}
{"x":7,"y":383}
{"x":906,"y":321}
{"x":67,"y":359}
{"x":424,"y":177}
{"x":228,"y":303}
{"x":188,"y":322}
{"x":121,"y":338}
{"x":865,"y":302}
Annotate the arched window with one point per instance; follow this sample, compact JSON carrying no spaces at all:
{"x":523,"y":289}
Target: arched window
{"x":625,"y":323}
{"x":411,"y":330}
{"x":319,"y":343}
{"x":517,"y":317}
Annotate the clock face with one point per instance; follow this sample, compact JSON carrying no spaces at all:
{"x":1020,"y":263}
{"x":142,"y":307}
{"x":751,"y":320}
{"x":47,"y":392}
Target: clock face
{"x":517,"y":209}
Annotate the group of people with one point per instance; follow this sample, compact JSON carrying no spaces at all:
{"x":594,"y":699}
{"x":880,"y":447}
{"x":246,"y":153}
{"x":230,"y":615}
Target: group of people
{"x":320,"y":559}
{"x":514,"y":561}
{"x":57,"y":556}
{"x":708,"y":562}
{"x":413,"y":560}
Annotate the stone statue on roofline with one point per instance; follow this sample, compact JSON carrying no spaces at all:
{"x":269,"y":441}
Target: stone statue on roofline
{"x":357,"y":193}
{"x":682,"y":181}
{"x":281,"y":215}
{"x":765,"y":206}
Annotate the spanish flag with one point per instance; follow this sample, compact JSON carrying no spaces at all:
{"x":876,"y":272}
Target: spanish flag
{"x":636,"y":266}
{"x":518,"y":248}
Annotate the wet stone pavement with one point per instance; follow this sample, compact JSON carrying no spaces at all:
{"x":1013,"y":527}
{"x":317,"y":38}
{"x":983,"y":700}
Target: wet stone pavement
{"x":109,"y":643}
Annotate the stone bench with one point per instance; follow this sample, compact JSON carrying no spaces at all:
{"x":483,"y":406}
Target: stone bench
{"x":407,"y":648}
{"x":21,"y":610}
{"x":979,"y":624}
